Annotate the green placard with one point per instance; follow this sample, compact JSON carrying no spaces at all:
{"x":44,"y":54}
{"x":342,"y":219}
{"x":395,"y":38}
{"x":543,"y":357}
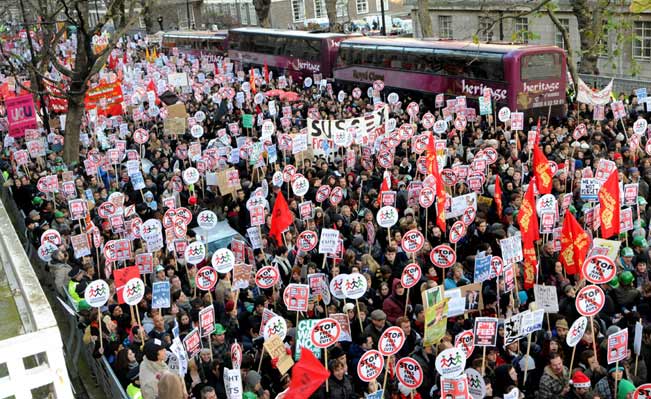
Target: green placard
{"x":247,"y":121}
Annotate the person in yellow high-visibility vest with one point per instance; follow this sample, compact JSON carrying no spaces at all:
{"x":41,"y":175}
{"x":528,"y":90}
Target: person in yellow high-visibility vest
{"x":133,"y":390}
{"x":74,"y":290}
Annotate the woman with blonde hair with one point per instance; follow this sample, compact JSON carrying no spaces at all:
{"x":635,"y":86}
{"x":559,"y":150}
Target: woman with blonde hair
{"x":370,"y":263}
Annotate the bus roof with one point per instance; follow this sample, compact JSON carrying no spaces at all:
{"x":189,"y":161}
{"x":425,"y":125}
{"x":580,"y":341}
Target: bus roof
{"x":287,"y":32}
{"x":447,"y":44}
{"x":197,"y":34}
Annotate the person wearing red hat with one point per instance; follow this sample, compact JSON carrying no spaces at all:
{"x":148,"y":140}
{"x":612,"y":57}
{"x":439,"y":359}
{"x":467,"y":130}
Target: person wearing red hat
{"x":580,"y":386}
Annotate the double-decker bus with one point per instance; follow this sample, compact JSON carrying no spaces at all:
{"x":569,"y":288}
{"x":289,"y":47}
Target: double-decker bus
{"x":526,"y":78}
{"x":295,"y":53}
{"x":196,"y":42}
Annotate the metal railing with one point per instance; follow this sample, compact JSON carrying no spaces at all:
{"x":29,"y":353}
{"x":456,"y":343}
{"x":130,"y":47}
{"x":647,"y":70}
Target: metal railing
{"x":620,"y":84}
{"x":34,"y":360}
{"x":74,"y":344}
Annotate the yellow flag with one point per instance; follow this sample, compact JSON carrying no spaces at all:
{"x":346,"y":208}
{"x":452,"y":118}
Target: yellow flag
{"x":147,"y":55}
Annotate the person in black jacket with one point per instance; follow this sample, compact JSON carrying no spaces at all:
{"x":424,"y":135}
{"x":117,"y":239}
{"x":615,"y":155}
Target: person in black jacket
{"x":425,"y":357}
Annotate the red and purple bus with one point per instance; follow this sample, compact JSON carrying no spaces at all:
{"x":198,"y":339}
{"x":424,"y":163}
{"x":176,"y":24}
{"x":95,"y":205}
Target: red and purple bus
{"x":526,"y":78}
{"x":295,"y":53}
{"x":196,"y":42}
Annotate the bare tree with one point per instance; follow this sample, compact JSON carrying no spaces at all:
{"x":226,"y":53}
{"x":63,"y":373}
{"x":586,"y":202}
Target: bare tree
{"x":424,"y":19}
{"x":331,"y":10}
{"x":56,"y":17}
{"x":263,"y":12}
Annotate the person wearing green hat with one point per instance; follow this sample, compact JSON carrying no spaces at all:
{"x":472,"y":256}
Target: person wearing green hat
{"x":625,"y":389}
{"x":60,"y":221}
{"x":626,"y":260}
{"x":640,"y":247}
{"x":606,"y":386}
{"x":626,"y":295}
{"x":219,"y":345}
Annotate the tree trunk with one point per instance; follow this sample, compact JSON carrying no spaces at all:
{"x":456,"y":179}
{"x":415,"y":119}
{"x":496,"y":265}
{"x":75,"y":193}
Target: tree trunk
{"x":76,"y":94}
{"x":331,"y":9}
{"x":568,"y":46}
{"x":74,"y":116}
{"x":590,"y":32}
{"x":424,"y":18}
{"x":262,"y":11}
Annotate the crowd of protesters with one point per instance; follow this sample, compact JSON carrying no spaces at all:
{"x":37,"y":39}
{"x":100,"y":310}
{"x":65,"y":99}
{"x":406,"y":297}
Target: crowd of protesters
{"x":545,"y":359}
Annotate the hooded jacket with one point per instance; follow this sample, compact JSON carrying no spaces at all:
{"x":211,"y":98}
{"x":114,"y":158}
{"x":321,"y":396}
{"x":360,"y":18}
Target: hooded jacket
{"x":394,"y":305}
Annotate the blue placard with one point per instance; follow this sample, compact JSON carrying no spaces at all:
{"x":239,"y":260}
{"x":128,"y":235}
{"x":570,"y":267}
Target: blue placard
{"x":160,"y":295}
{"x":482,"y":268}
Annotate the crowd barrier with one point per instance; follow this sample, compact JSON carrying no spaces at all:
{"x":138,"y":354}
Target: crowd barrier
{"x":34,"y":361}
{"x":25,"y":257}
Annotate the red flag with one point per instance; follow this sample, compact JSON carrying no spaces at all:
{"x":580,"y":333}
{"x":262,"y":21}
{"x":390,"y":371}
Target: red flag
{"x":498,"y":196}
{"x":281,"y":218}
{"x":530,"y":265}
{"x":574,"y":244}
{"x":152,"y":87}
{"x":252,"y":81}
{"x":537,"y":141}
{"x":433,"y":169}
{"x":386,"y":186}
{"x":542,"y":171}
{"x":527,"y":218}
{"x":307,"y":376}
{"x":265,"y":69}
{"x":121,"y":277}
{"x":609,"y":206}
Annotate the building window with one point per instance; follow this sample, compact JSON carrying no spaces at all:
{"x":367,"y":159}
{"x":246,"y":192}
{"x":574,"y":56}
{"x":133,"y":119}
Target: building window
{"x":378,"y":5}
{"x":445,"y":27}
{"x":642,"y":40}
{"x":485,"y":29}
{"x":244,"y":17}
{"x":342,"y":8}
{"x":320,"y":9}
{"x":253,"y":17}
{"x":298,"y":10}
{"x":522,"y":30}
{"x":560,"y":42}
{"x":362,"y":6}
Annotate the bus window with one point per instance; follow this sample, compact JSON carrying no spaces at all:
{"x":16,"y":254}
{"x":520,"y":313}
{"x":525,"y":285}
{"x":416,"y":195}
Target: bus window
{"x":344,"y":56}
{"x":234,"y":41}
{"x":302,"y":48}
{"x":356,"y":55}
{"x":541,"y":66}
{"x":371,"y":57}
{"x":391,"y":56}
{"x":417,"y":59}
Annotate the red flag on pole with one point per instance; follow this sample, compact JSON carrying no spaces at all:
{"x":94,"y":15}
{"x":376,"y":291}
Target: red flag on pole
{"x":530,"y":265}
{"x":281,"y":218}
{"x":252,"y":81}
{"x":527,"y":217}
{"x":152,"y":87}
{"x":542,"y":171}
{"x":307,"y":376}
{"x":609,"y":206}
{"x":574,"y":244}
{"x":386,"y":186}
{"x":498,"y":196}
{"x":433,"y":169}
{"x":265,"y":69}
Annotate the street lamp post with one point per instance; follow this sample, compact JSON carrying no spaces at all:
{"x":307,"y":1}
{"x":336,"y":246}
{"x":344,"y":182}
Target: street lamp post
{"x":187,"y":9}
{"x":383,"y":29}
